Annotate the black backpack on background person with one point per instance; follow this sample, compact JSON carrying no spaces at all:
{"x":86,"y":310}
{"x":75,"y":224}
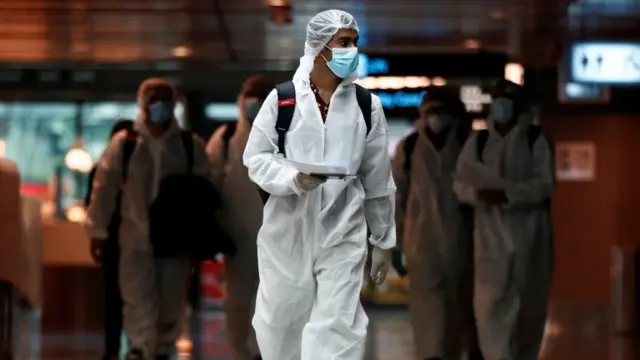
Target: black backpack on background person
{"x":182,"y":216}
{"x":287,"y":106}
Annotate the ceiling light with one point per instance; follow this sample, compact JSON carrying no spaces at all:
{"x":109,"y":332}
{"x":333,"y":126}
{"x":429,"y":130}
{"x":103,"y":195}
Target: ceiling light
{"x":498,"y":15}
{"x":472,"y":44}
{"x":280,"y":11}
{"x":181,"y":51}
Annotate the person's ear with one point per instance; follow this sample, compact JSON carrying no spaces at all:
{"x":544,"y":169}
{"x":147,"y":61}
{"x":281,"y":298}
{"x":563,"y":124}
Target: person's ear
{"x":325,"y":53}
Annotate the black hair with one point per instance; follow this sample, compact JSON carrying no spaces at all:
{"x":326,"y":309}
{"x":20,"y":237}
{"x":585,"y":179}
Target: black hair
{"x":122,"y":124}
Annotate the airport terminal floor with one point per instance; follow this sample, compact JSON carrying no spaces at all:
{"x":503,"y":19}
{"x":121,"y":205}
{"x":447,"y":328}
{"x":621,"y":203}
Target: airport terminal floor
{"x":574,"y":332}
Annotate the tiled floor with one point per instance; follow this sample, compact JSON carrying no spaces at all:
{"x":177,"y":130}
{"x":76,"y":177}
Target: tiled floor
{"x":576,"y":332}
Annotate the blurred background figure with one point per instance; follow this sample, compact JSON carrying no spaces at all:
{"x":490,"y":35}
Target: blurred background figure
{"x":242,"y":213}
{"x":153,"y":288}
{"x":107,"y":254}
{"x":513,"y":234}
{"x":434,"y":228}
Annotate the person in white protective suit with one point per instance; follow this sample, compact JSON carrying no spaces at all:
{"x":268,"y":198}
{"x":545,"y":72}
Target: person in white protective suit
{"x":513,"y":233}
{"x":243,"y":216}
{"x":153,"y":289}
{"x":434,"y":229}
{"x":312,"y":245}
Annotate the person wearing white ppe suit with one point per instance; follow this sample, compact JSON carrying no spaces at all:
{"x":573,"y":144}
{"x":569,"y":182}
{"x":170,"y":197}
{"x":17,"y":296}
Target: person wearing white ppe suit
{"x":513,"y":232}
{"x":312,"y":245}
{"x":153,"y":289}
{"x":436,"y":234}
{"x":243,"y":216}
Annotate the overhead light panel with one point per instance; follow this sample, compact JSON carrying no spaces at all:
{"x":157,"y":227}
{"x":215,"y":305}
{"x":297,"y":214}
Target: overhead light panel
{"x":280,"y":11}
{"x":472,"y":44}
{"x":181,"y":51}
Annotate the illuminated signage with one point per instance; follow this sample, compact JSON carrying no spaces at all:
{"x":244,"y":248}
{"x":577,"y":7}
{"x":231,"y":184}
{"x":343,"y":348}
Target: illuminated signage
{"x":473,"y":98}
{"x":399,"y":82}
{"x":374,"y":66}
{"x":401,"y":99}
{"x":612,"y":63}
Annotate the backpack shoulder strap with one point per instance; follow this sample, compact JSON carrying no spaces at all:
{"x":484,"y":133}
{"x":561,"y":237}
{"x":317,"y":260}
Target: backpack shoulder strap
{"x":533,"y":132}
{"x":364,"y":102}
{"x":286,"y":108}
{"x":127,"y":150}
{"x":187,"y":142}
{"x":408,"y":146}
{"x":481,"y":142}
{"x":461,"y":136}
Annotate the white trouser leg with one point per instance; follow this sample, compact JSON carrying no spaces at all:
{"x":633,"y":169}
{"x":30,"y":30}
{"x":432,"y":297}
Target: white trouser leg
{"x":172,"y":276}
{"x":496,"y":305}
{"x":285,"y":297}
{"x":428,"y":309}
{"x":139,"y":294}
{"x":337,"y":329}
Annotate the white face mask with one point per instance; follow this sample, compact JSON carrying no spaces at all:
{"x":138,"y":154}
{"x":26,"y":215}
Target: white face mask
{"x":502,"y":110}
{"x":437,"y":123}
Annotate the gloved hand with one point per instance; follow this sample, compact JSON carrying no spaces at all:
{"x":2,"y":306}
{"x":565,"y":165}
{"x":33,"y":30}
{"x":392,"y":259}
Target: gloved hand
{"x":380,"y":264}
{"x":308,"y":182}
{"x":97,"y":247}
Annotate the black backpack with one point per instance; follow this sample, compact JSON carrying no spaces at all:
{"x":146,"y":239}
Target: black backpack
{"x":287,"y":106}
{"x":182,"y":216}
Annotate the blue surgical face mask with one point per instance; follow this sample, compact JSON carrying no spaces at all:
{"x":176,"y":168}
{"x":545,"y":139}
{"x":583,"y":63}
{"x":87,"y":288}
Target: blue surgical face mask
{"x":251,"y":108}
{"x":502,"y":110}
{"x":344,"y":61}
{"x":161,"y":113}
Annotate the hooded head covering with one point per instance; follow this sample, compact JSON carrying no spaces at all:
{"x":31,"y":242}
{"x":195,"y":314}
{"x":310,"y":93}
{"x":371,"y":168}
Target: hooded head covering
{"x":145,"y":90}
{"x":320,"y":29}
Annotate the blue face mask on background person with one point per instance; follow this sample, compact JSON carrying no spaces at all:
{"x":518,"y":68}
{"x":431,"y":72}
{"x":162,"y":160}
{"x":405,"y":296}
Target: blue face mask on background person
{"x":161,"y":113}
{"x":344,"y":61}
{"x":251,"y":109}
{"x":502,"y":110}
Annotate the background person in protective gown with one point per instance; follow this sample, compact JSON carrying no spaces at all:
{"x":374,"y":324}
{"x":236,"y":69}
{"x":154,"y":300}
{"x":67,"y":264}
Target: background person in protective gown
{"x":243,"y":216}
{"x":153,"y":289}
{"x":513,"y":232}
{"x":312,"y":245}
{"x":436,"y":236}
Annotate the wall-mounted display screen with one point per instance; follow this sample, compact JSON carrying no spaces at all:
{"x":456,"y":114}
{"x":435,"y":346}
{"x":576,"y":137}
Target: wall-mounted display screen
{"x":607,"y":63}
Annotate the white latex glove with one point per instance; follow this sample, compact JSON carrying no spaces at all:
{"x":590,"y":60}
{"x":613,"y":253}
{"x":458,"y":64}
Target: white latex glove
{"x":307,"y":182}
{"x":380,"y":264}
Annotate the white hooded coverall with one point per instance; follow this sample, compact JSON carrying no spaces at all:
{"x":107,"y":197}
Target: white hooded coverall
{"x":513,"y":244}
{"x":312,"y":245}
{"x":242,"y":213}
{"x":153,"y":289}
{"x":436,"y":239}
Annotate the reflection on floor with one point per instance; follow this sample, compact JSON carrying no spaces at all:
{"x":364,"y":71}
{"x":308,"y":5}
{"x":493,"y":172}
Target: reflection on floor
{"x":575,"y":332}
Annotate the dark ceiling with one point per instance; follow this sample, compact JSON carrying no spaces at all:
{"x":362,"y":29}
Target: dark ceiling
{"x":240,"y":31}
